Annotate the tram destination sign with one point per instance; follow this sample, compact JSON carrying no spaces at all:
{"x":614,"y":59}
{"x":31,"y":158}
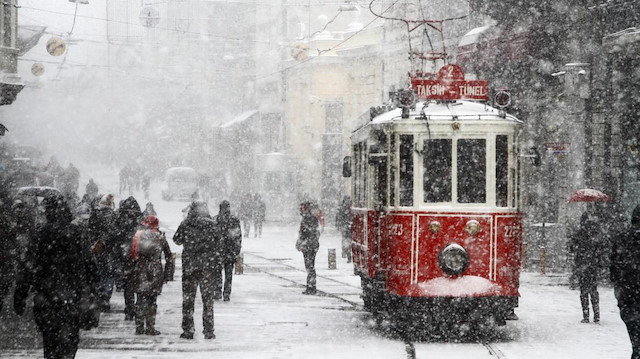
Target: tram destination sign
{"x":450,"y":85}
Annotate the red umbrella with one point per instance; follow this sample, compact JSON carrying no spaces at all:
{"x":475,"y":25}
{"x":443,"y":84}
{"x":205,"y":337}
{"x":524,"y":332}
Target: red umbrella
{"x":588,"y":195}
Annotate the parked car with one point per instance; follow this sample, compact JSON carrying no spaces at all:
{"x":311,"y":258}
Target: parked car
{"x":180,"y":183}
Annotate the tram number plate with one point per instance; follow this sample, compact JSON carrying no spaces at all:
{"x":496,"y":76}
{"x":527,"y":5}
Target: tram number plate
{"x":510,"y":231}
{"x":396,"y":229}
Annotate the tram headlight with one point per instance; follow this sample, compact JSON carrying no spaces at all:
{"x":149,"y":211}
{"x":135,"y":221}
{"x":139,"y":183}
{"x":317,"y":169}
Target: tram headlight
{"x":472,"y":227}
{"x":453,"y":259}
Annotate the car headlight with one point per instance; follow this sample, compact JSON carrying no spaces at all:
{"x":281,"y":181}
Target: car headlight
{"x":453,"y":259}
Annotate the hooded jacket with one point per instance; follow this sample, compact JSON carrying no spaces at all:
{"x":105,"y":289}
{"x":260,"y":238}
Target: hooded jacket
{"x":125,"y":226}
{"x":58,"y":267}
{"x":625,"y":263}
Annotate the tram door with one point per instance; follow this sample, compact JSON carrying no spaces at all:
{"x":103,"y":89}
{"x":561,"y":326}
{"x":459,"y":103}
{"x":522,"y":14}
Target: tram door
{"x":378,"y":171}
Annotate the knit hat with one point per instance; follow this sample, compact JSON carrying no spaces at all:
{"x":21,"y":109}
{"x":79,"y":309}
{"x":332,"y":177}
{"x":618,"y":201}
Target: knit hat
{"x":151,"y":222}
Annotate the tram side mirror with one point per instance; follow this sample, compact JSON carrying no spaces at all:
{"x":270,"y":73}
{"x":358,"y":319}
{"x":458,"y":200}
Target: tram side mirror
{"x":346,"y":166}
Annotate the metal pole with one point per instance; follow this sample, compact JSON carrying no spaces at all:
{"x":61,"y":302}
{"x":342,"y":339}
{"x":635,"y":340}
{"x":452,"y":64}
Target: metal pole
{"x":332,"y":258}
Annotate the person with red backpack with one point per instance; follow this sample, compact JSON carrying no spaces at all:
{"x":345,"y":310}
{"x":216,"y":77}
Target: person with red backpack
{"x":148,"y":274}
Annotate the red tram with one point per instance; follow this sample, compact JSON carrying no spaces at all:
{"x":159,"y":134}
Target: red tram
{"x":436,"y":224}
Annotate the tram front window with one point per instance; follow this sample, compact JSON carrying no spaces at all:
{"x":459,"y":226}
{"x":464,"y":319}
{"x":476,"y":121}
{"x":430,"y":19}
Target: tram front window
{"x":472,"y":170}
{"x":437,"y":170}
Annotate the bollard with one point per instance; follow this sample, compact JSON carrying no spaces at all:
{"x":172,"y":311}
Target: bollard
{"x":239,"y":266}
{"x":543,"y":260}
{"x":523,"y":255}
{"x":332,"y":258}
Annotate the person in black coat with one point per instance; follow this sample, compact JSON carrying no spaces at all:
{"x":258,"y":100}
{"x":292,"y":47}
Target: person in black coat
{"x":308,"y":243}
{"x":8,"y":250}
{"x":58,"y":268}
{"x":125,"y":226}
{"x":625,"y":275}
{"x":343,"y":224}
{"x":197,"y":233}
{"x":587,"y":249}
{"x":230,"y":237}
{"x":100,"y":231}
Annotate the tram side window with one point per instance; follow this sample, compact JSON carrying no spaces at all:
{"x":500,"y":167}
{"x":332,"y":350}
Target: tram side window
{"x":406,"y":170}
{"x":437,"y":170}
{"x":502,"y":173}
{"x":472,"y":170}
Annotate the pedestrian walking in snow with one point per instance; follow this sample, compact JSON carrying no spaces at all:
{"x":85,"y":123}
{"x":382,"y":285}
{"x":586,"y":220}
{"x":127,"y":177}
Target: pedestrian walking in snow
{"x":245,"y":213}
{"x":343,"y":224}
{"x":309,"y":242}
{"x":91,"y":189}
{"x":148,"y":274}
{"x":8,"y":250}
{"x":126,"y":224}
{"x":59,"y":266}
{"x":149,"y":210}
{"x":197,"y":233}
{"x":100,"y":231}
{"x":230,"y":239}
{"x":259,"y":213}
{"x":587,"y":250}
{"x":625,"y":275}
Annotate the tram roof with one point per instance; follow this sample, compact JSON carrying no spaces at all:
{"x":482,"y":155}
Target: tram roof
{"x":459,"y":110}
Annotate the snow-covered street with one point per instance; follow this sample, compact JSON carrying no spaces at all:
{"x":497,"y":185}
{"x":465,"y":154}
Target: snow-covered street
{"x":268,"y":317}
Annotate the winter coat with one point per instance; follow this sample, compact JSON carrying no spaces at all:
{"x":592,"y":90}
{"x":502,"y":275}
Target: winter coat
{"x":197,"y":233}
{"x":59,"y":268}
{"x":124,"y":228}
{"x":625,"y":264}
{"x":148,"y":274}
{"x":587,"y":248}
{"x":100,"y":230}
{"x":309,"y":233}
{"x":8,"y":251}
{"x":230,"y":236}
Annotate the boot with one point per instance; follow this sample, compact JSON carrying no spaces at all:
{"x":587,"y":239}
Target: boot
{"x":139,"y":321}
{"x":151,"y":321}
{"x":596,"y":314}
{"x":585,"y":316}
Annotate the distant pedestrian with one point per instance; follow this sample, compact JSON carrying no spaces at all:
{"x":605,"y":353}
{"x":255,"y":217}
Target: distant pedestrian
{"x":245,"y":212}
{"x":258,"y":215}
{"x":343,"y":224}
{"x":146,"y":183}
{"x":309,"y":242}
{"x":587,"y":248}
{"x":197,"y":233}
{"x":230,"y":237}
{"x":149,"y":244}
{"x":58,"y":268}
{"x":149,"y":210}
{"x":625,"y":275}
{"x":91,"y":189}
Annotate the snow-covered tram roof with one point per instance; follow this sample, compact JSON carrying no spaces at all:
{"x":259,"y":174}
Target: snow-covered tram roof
{"x":443,"y":111}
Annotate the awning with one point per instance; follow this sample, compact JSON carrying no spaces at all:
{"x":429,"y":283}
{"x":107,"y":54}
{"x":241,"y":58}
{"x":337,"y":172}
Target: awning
{"x":28,"y":37}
